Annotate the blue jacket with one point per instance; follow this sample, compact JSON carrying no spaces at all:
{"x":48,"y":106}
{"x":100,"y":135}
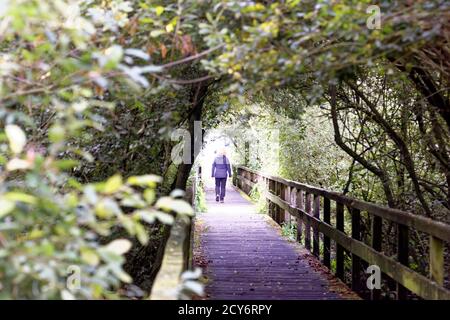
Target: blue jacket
{"x":220,"y":167}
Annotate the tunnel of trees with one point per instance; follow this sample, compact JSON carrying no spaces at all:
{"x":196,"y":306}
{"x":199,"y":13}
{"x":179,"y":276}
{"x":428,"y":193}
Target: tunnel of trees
{"x":90,"y":92}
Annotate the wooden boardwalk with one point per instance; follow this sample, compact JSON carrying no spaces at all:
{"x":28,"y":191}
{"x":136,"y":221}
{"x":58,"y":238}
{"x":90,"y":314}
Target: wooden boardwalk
{"x":244,"y":256}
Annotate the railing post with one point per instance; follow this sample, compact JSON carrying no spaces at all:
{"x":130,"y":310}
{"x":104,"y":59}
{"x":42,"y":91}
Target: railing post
{"x":402,"y":256}
{"x":377,"y":224}
{"x":299,"y":201}
{"x":282,"y":195}
{"x":287,"y":198}
{"x":248,"y":177}
{"x":271,"y":204}
{"x":276,"y":209}
{"x":241,"y":174}
{"x":307,"y":222}
{"x":293,"y":202}
{"x":356,"y":261}
{"x":339,"y":248}
{"x":326,"y":240}
{"x":267,"y":186}
{"x":238,"y":181}
{"x":316,"y":214}
{"x":437,"y":260}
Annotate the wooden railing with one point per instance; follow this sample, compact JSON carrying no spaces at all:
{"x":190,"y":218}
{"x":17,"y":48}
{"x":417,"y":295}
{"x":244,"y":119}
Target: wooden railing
{"x":177,"y":254}
{"x":312,"y":208}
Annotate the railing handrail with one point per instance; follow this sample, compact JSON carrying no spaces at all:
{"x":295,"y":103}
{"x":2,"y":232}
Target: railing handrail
{"x":432,"y":227}
{"x":307,"y":209}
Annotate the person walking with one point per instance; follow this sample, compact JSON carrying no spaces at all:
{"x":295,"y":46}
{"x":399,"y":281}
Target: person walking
{"x":221,"y":168}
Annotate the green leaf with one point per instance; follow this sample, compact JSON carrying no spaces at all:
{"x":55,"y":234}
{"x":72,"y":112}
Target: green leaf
{"x":122,"y":275}
{"x":3,"y":253}
{"x":146,"y":215}
{"x":56,"y":133}
{"x":113,"y":55}
{"x":90,"y":256}
{"x":141,"y":234}
{"x":113,"y":184}
{"x":157,"y":33}
{"x":182,"y":207}
{"x":149,"y":195}
{"x":119,"y":246}
{"x":106,"y":208}
{"x":159,"y":10}
{"x":179,"y":206}
{"x":90,"y":194}
{"x":177,"y":193}
{"x":145,"y":180}
{"x":21,"y":197}
{"x":134,"y":200}
{"x":6,"y":206}
{"x":18,"y":164}
{"x":16,"y":138}
{"x":66,"y":164}
{"x":164,"y":217}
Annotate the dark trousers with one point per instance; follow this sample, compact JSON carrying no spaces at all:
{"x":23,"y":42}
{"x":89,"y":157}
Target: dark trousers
{"x":220,"y":187}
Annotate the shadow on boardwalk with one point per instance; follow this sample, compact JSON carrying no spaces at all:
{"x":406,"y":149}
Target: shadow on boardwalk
{"x":244,"y":256}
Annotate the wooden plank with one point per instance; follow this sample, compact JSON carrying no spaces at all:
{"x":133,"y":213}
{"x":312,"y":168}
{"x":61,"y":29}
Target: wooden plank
{"x":437,"y":260}
{"x":243,"y":256}
{"x":326,"y":240}
{"x":435,"y":228}
{"x":316,"y":214}
{"x":412,"y":280}
{"x":356,"y":261}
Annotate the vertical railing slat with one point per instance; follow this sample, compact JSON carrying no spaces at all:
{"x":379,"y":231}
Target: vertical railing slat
{"x":377,"y":224}
{"x":437,"y":260}
{"x":339,"y":248}
{"x":307,"y":223}
{"x":316,"y":214}
{"x":356,"y":261}
{"x":271,"y":204}
{"x":326,"y":240}
{"x":301,"y":205}
{"x":287,"y":198}
{"x":402,"y":256}
{"x":282,"y":195}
